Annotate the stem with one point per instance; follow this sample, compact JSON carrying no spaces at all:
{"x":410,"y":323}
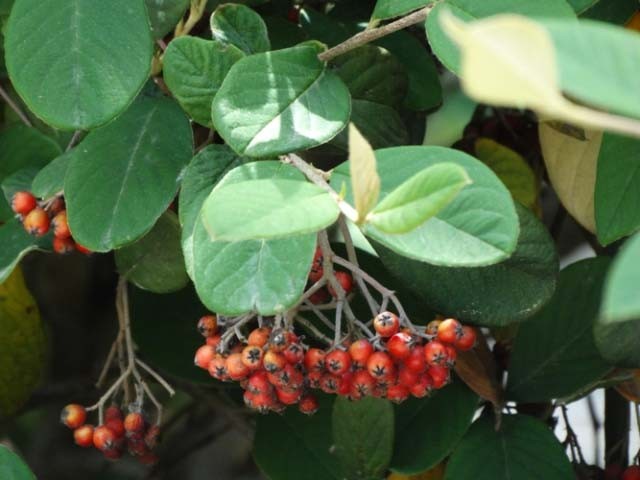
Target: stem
{"x":195,"y":14}
{"x":572,"y":439}
{"x":320,"y":315}
{"x":14,"y":106}
{"x":109,"y":361}
{"x":312,"y":328}
{"x":156,"y":376}
{"x":370,"y":35}
{"x":74,"y":140}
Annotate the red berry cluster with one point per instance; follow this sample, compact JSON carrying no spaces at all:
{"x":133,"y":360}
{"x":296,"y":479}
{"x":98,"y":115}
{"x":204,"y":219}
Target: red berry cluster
{"x":117,"y":434}
{"x":324,"y":294}
{"x":38,"y":217}
{"x":276,"y":369}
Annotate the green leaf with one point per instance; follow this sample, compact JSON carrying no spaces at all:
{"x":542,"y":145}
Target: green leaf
{"x":22,"y":147}
{"x":15,"y":243}
{"x":50,"y":180}
{"x":293,"y":446}
{"x":158,"y":320}
{"x":527,"y":279}
{"x":394,"y":8}
{"x":124,"y":175}
{"x":419,"y":198}
{"x":12,"y":467}
{"x":194,"y":69}
{"x":155,"y":262}
{"x":363,"y":436}
{"x":283,"y":33}
{"x":617,"y":328}
{"x":164,"y":15}
{"x":524,"y":449}
{"x":241,"y":27}
{"x":612,"y":11}
{"x":617,"y":188}
{"x":324,"y":28}
{"x":204,"y":171}
{"x":446,"y":125}
{"x":469,"y":10}
{"x":264,"y":276}
{"x":267,"y":209}
{"x":423,"y":437}
{"x":372,"y":73}
{"x":95,"y":57}
{"x":598,"y":63}
{"x":554,"y":353}
{"x":17,"y":182}
{"x":480,"y":227}
{"x":294,"y":103}
{"x":512,"y":169}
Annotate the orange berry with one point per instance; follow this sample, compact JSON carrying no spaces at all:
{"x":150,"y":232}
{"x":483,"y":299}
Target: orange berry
{"x":61,"y":226}
{"x":73,"y":415}
{"x":218,"y":368}
{"x":314,"y":359}
{"x":83,"y":436}
{"x":204,"y":355}
{"x":236,"y":367}
{"x":337,"y":362}
{"x":252,"y":357}
{"x":23,"y":202}
{"x":259,"y":337}
{"x":134,"y":423}
{"x":360,"y":351}
{"x":63,"y":245}
{"x":36,"y":222}
{"x":273,"y":361}
{"x":346,"y":282}
{"x":103,"y":438}
{"x":386,"y":324}
{"x":208,"y":325}
{"x":449,"y":331}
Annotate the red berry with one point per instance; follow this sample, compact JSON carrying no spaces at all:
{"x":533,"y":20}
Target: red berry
{"x":422,"y":387}
{"x":36,"y":222}
{"x":252,"y":357}
{"x":360,"y":351}
{"x":416,"y":361}
{"x":344,"y":387}
{"x":407,"y":377}
{"x":631,"y":473}
{"x":113,"y":412}
{"x":61,"y":226}
{"x":346,"y":282}
{"x":435,"y":353}
{"x":380,"y":366}
{"x":103,"y":438}
{"x":112,"y":454}
{"x":83,"y":436}
{"x":116,"y":425}
{"x":316,"y":271}
{"x":337,"y":362}
{"x":273,"y":361}
{"x":362,"y":384}
{"x":23,"y":202}
{"x":432,"y":327}
{"x":259,"y":337}
{"x":468,"y":339}
{"x":399,"y":345}
{"x":204,"y":355}
{"x":314,"y":378}
{"x":294,"y":353}
{"x":397,"y":393}
{"x":236,"y":368}
{"x":259,"y":383}
{"x":214,"y":340}
{"x":134,"y":423}
{"x":288,"y":397}
{"x":330,"y":383}
{"x":452,"y":354}
{"x":63,"y":245}
{"x":83,"y":249}
{"x":208,"y":325}
{"x":152,"y":436}
{"x":314,"y":359}
{"x":73,"y":415}
{"x":386,"y":324}
{"x":439,"y":376}
{"x":218,"y":368}
{"x":308,"y":405}
{"x":320,"y":297}
{"x":449,"y":331}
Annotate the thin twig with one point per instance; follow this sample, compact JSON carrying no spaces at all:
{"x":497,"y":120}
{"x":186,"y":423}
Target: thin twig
{"x":312,"y":328}
{"x":109,"y":361}
{"x":74,"y":139}
{"x":14,"y":106}
{"x":157,"y":377}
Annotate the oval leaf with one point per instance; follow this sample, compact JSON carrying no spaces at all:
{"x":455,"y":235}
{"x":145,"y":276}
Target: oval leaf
{"x":15,"y":243}
{"x":50,"y":180}
{"x":124,"y":175}
{"x":419,"y":198}
{"x":102,"y":51}
{"x":13,"y":467}
{"x":164,"y":15}
{"x":554,"y":353}
{"x":524,"y":449}
{"x":277,"y":112}
{"x":241,"y":27}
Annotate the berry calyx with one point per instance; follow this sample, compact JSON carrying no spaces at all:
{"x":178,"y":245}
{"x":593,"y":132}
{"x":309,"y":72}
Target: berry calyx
{"x":435,"y":353}
{"x":380,"y":366}
{"x":337,"y":362}
{"x":36,"y":222}
{"x":73,"y":415}
{"x":23,"y":202}
{"x":386,"y":324}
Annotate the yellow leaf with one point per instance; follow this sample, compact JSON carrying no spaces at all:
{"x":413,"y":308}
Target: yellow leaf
{"x":510,"y":61}
{"x":22,"y":344}
{"x":436,"y":473}
{"x":571,"y":162}
{"x":364,"y":175}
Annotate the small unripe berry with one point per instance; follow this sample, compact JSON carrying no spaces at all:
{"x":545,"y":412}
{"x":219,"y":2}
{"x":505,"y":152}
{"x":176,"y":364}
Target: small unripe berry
{"x":134,"y":423}
{"x":449,"y":331}
{"x":36,"y":222}
{"x":386,"y":324}
{"x":83,"y":436}
{"x":308,"y":405}
{"x":73,"y":415}
{"x":61,"y":226}
{"x":23,"y":202}
{"x":346,"y":282}
{"x":208,"y":325}
{"x":103,"y":438}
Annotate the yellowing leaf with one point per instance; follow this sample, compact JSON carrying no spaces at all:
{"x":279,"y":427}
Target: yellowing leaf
{"x":22,"y":344}
{"x":571,"y":161}
{"x":364,"y":175}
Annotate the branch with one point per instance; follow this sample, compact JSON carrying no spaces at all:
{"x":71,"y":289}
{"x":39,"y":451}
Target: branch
{"x":373,"y":34}
{"x":14,"y":106}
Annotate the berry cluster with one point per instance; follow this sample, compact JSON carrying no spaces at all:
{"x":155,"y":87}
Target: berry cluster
{"x":326,"y":293}
{"x":277,"y":369}
{"x":38,"y":217}
{"x":117,"y":434}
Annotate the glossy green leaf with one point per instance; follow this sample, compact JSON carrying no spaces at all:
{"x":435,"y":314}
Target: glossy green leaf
{"x":241,"y":27}
{"x":294,"y":103}
{"x":394,"y":8}
{"x":266,"y":276}
{"x":50,"y":180}
{"x":203,"y":172}
{"x":469,"y":10}
{"x":324,"y":28}
{"x":18,"y":181}
{"x":283,"y":33}
{"x":617,"y":328}
{"x":423,"y":438}
{"x":15,"y":243}
{"x":194,"y":69}
{"x":164,"y":15}
{"x":598,"y":64}
{"x":363,"y":436}
{"x":419,"y":198}
{"x":155,"y":262}
{"x":617,"y":188}
{"x":22,"y":147}
{"x":267,"y":209}
{"x":158,"y":321}
{"x":12,"y":467}
{"x":524,"y":449}
{"x":554,"y":352}
{"x":293,"y":446}
{"x":477,"y":295}
{"x":124,"y":175}
{"x":95,"y":57}
{"x":372,"y":73}
{"x":612,"y":11}
{"x":480,"y":227}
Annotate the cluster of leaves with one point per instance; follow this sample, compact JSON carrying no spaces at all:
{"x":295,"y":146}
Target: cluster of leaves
{"x":97,"y":110}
